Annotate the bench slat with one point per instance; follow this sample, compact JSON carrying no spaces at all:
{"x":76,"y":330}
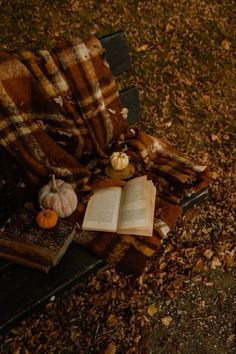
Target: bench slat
{"x":24,"y":289}
{"x":116,"y":52}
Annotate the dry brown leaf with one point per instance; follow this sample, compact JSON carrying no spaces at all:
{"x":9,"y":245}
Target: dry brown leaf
{"x":152,"y":310}
{"x":209,"y":283}
{"x":112,"y":320}
{"x":171,"y":293}
{"x":206,"y":98}
{"x":142,"y":48}
{"x":215,"y":262}
{"x":169,"y":28}
{"x":16,"y":351}
{"x":205,"y":158}
{"x":197,"y":278}
{"x":213,"y":175}
{"x":169,"y":247}
{"x":166,"y":320}
{"x":199,"y":265}
{"x":225,"y":44}
{"x":231,"y":338}
{"x":229,"y":260}
{"x":110,"y":349}
{"x":168,"y":124}
{"x":214,"y":137}
{"x":208,"y":253}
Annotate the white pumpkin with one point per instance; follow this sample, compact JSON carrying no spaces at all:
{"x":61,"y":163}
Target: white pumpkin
{"x":119,"y":160}
{"x":58,"y":196}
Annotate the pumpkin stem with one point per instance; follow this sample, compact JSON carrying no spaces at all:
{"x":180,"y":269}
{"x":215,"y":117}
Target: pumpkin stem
{"x":54,"y":188}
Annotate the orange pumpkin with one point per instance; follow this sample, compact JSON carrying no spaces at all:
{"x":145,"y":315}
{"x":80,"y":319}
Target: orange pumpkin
{"x":46,"y":218}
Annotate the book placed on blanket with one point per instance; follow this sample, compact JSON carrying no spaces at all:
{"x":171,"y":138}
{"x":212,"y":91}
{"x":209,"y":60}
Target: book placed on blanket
{"x":23,"y":241}
{"x":125,"y":210}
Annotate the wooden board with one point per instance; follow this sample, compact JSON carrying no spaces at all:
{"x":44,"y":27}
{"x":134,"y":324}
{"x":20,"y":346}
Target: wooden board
{"x":23,"y":290}
{"x":116,"y":52}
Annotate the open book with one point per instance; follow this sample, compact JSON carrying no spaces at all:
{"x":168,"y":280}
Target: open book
{"x":125,"y":210}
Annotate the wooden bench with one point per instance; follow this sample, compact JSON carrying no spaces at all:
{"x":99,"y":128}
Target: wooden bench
{"x":23,"y":290}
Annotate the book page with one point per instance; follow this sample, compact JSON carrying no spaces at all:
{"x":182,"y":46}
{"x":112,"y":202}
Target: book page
{"x":103,"y":210}
{"x":145,"y":231}
{"x":134,"y":210}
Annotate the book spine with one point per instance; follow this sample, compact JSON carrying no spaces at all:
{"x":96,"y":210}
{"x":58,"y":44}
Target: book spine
{"x":24,"y":261}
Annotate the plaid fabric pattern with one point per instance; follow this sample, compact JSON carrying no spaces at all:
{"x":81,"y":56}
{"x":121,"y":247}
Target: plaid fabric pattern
{"x":56,"y":105}
{"x":174,"y":174}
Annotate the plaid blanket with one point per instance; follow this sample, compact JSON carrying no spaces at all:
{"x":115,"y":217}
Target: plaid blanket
{"x":58,"y":106}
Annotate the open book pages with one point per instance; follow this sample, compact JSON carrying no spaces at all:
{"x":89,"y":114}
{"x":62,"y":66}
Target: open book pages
{"x":127,"y":210}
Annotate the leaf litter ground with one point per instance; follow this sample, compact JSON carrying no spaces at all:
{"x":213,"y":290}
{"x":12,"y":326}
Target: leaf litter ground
{"x":183,"y":56}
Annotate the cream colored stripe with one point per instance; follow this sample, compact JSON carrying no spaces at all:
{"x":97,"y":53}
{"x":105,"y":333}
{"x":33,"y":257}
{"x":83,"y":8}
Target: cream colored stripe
{"x":13,"y":136}
{"x":57,"y":78}
{"x":82,"y":53}
{"x":104,"y":91}
{"x":15,"y":117}
{"x":43,"y":80}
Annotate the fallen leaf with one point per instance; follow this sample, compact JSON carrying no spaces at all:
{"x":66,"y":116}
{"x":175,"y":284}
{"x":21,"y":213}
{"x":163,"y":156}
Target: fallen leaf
{"x":168,"y":124}
{"x":110,"y":349}
{"x":231,"y":338}
{"x":225,"y":44}
{"x":209,"y":283}
{"x":16,"y":351}
{"x":214,"y":137}
{"x":215,"y":262}
{"x":169,"y":28}
{"x":166,"y":320}
{"x":199,"y":265}
{"x":171,"y":293}
{"x":152,"y":310}
{"x":208,"y":253}
{"x":112,"y":320}
{"x":206,"y":98}
{"x":142,"y":48}
{"x":205,"y":158}
{"x":229,"y":260}
{"x":169,"y":247}
{"x":213,"y":175}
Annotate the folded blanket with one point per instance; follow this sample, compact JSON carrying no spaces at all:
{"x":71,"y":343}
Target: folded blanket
{"x":58,"y":106}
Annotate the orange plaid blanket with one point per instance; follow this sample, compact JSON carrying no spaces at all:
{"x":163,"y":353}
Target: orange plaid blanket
{"x":58,"y":106}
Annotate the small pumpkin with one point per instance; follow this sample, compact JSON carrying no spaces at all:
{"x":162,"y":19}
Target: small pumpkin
{"x":46,"y":218}
{"x":59,"y":196}
{"x":119,"y":160}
